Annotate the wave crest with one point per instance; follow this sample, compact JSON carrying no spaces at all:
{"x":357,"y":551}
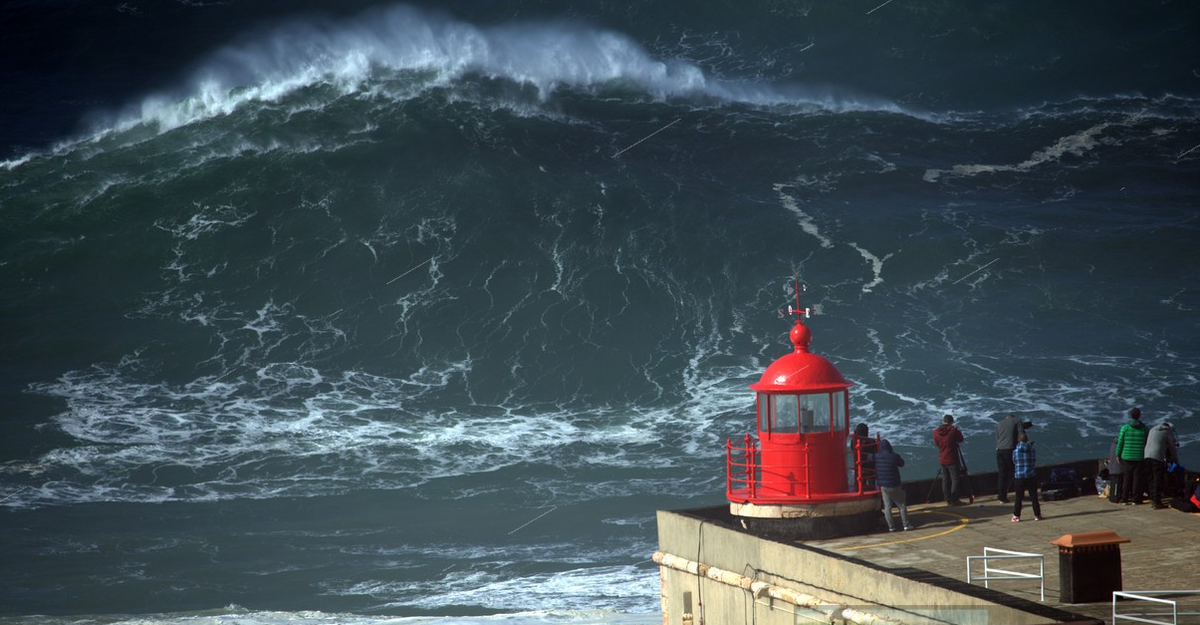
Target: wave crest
{"x":406,"y":41}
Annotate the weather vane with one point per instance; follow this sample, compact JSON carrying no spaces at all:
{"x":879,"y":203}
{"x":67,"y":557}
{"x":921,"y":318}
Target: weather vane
{"x":797,"y":311}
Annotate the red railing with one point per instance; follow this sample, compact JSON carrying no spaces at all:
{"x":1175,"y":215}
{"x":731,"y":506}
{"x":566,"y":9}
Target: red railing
{"x":864,"y":467}
{"x":748,"y":479}
{"x":740,"y":469}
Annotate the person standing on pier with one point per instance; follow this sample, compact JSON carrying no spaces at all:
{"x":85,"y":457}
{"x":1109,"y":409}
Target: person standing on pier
{"x":1025,"y":477}
{"x":887,"y":474}
{"x":1160,"y":450}
{"x":1006,"y":440}
{"x":1115,"y":474}
{"x":947,"y":438}
{"x":1131,"y":451}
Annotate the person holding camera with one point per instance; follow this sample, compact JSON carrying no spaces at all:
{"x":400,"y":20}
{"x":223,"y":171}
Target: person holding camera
{"x":1007,"y":431}
{"x":1161,"y":451}
{"x":947,"y":438}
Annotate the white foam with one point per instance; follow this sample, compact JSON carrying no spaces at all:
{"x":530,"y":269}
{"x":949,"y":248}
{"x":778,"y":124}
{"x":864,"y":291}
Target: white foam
{"x":809,"y":225}
{"x":805,"y":221}
{"x":1075,"y":144}
{"x":290,"y":429}
{"x":609,"y":588}
{"x":876,"y":264}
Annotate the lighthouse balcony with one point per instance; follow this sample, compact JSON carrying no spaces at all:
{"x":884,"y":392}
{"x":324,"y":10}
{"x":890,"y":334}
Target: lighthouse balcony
{"x":795,"y":477}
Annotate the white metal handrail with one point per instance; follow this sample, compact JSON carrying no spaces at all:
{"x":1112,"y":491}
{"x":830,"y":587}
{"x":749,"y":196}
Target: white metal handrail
{"x":1144,"y":595}
{"x":991,"y":554}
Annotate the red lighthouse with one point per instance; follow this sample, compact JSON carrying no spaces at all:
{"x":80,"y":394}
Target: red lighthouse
{"x":801,"y":478}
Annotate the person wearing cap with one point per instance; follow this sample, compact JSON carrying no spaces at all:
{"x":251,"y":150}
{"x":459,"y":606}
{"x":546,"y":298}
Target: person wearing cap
{"x":947,"y":439}
{"x":864,"y":446}
{"x":1131,"y":451}
{"x":1160,"y":450}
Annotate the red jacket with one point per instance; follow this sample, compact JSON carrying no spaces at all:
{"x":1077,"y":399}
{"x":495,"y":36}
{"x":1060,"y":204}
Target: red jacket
{"x":947,"y":437}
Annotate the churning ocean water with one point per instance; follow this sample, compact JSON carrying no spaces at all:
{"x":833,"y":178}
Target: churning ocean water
{"x":350,"y":312}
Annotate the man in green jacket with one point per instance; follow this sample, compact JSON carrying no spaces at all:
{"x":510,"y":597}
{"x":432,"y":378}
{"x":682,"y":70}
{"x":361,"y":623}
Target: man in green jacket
{"x":1131,"y":451}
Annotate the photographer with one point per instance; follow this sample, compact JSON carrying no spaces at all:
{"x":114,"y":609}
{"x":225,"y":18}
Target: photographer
{"x":1007,"y":431}
{"x":947,"y":438}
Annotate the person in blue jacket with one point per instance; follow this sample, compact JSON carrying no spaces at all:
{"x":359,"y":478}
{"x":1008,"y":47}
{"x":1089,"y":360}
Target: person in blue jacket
{"x":887,"y":476}
{"x":1025,"y":477}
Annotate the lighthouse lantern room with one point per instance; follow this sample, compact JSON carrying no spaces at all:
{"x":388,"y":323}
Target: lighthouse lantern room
{"x":801,"y":477}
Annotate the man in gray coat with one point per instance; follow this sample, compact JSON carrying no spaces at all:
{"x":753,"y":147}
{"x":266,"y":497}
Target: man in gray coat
{"x":1006,"y":440}
{"x":1161,"y":447}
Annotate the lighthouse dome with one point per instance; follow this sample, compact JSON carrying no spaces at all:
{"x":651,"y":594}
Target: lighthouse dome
{"x":801,"y":372}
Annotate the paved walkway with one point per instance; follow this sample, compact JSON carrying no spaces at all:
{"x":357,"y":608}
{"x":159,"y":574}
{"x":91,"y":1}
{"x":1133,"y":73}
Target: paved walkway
{"x":1163,"y":552}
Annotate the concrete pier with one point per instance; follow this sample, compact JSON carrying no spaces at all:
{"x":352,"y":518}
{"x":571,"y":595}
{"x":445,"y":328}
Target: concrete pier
{"x":1163,"y":552}
{"x":714,"y":572}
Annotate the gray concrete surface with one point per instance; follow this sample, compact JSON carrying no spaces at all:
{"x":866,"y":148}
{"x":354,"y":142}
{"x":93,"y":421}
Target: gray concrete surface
{"x":1163,"y":552}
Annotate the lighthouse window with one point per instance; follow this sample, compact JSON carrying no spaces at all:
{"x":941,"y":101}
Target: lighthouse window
{"x":783,"y":414}
{"x":799,"y":414}
{"x":838,"y":401}
{"x":814,"y":413}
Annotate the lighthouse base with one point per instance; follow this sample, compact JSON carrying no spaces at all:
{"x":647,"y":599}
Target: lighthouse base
{"x":813,"y":521}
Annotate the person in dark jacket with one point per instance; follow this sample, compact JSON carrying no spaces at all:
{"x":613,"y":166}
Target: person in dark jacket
{"x":887,"y":474}
{"x":1131,"y":451}
{"x":1006,"y":440}
{"x":948,"y":438}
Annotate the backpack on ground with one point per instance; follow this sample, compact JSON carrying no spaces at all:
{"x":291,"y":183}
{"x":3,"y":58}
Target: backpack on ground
{"x":1185,"y":503}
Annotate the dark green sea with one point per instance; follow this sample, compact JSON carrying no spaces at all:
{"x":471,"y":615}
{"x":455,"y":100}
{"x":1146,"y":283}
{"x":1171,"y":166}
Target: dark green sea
{"x":328,"y":312}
